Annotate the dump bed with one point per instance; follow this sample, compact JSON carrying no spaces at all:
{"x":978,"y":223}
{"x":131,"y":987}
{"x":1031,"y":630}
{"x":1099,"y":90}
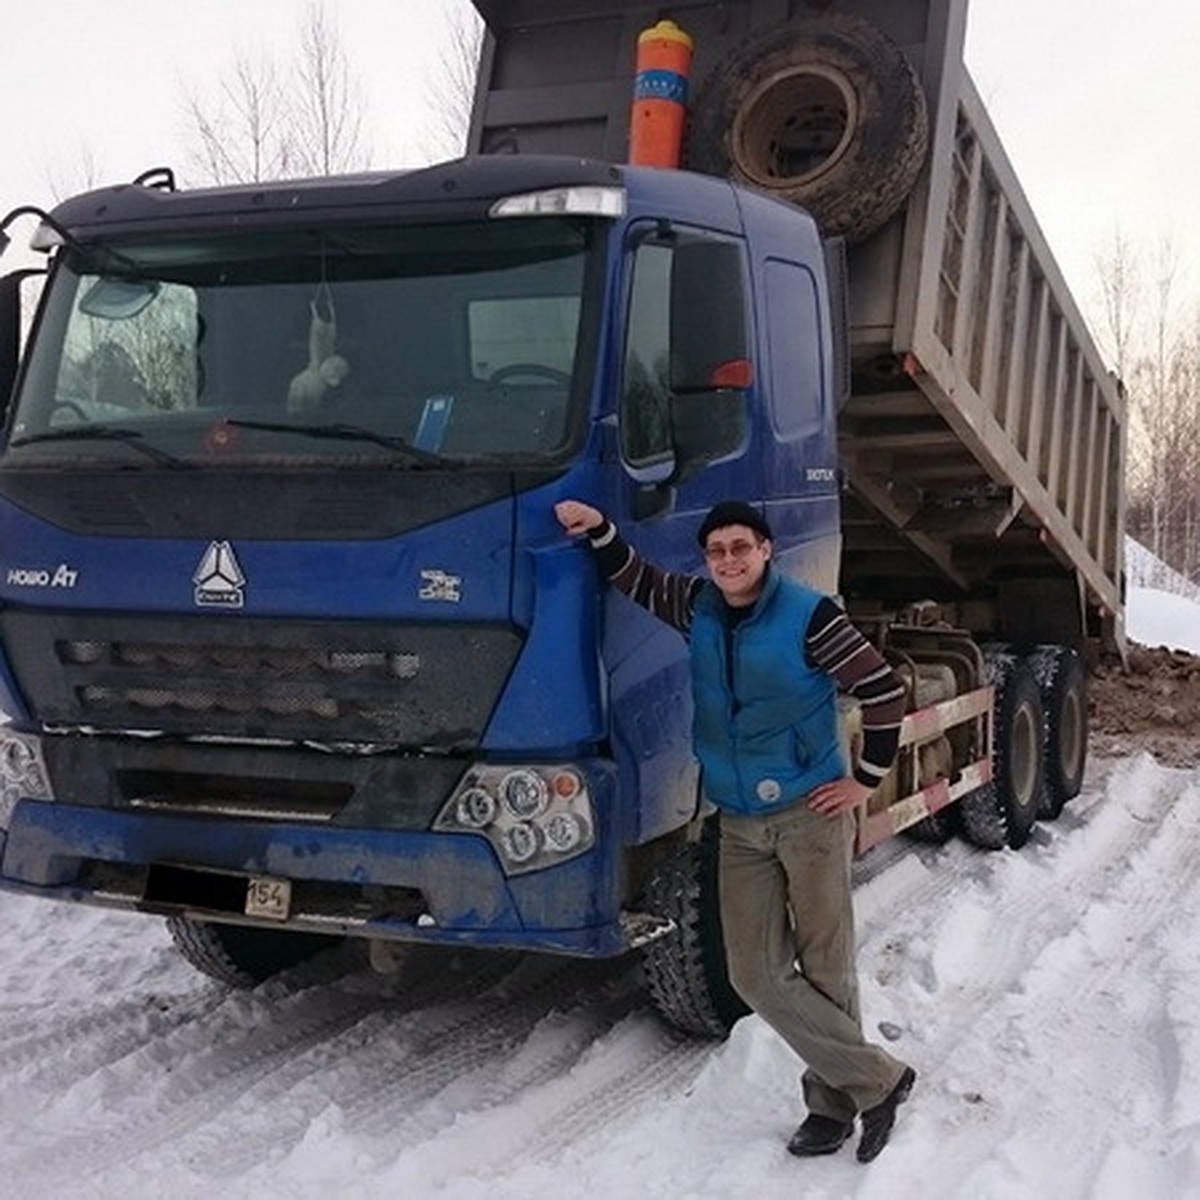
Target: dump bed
{"x":983,"y":442}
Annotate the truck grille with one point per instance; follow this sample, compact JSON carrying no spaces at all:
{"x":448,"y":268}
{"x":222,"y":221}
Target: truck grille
{"x":425,"y":685}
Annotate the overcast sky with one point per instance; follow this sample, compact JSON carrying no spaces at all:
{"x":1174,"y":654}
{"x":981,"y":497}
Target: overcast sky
{"x":1097,"y":101}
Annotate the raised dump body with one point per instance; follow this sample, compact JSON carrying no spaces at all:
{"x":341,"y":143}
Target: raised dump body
{"x":983,"y":440}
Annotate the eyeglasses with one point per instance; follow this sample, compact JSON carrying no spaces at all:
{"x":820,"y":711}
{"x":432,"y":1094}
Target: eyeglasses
{"x":735,"y":550}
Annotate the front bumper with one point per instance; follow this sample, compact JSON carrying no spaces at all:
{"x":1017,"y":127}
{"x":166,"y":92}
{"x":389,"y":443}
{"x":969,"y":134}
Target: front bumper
{"x":403,"y":885}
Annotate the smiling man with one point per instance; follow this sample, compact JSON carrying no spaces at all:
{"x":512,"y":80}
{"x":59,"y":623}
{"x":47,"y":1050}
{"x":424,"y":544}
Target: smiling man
{"x":768,"y":656}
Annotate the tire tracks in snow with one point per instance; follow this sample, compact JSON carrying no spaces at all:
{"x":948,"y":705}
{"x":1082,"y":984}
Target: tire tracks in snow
{"x":1069,"y":956}
{"x":171,"y":1086}
{"x":403,"y":1077}
{"x":577,"y":1081}
{"x":481,"y":1038}
{"x":1086,"y":850}
{"x":622,"y":1088}
{"x":93,"y":1040}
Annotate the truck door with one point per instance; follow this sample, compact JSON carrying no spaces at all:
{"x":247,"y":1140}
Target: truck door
{"x":685,"y":414}
{"x":799,"y":457}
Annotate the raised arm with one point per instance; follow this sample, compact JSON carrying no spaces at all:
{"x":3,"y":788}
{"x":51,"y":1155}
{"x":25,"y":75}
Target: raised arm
{"x":669,"y":596}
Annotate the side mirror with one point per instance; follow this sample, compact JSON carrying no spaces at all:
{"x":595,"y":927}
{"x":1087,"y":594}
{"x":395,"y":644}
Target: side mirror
{"x":708,"y":314}
{"x":118,"y":299}
{"x":663,"y":469}
{"x":706,"y":426}
{"x":711,"y":368}
{"x":10,"y":331}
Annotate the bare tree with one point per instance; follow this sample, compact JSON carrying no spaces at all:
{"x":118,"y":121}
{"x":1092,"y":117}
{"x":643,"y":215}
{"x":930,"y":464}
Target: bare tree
{"x":273,"y":120}
{"x":86,"y":174}
{"x":326,"y":121}
{"x":245,"y":138}
{"x":452,"y":86}
{"x":1160,"y":362}
{"x":1120,"y":285}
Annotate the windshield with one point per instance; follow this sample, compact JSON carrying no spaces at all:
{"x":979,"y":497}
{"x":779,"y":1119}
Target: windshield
{"x":424,"y":345}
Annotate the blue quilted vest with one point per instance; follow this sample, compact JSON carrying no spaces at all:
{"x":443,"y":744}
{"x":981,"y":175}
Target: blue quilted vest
{"x":768,"y":736}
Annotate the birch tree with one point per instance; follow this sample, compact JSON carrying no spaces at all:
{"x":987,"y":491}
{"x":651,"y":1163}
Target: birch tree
{"x":1158,"y":356}
{"x":452,"y":87}
{"x":275,"y":118}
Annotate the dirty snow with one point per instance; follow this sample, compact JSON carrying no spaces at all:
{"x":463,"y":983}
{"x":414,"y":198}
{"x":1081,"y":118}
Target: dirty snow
{"x":1049,"y":999}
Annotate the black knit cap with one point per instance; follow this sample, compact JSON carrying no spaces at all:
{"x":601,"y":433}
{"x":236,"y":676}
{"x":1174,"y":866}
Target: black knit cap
{"x":733,"y":512}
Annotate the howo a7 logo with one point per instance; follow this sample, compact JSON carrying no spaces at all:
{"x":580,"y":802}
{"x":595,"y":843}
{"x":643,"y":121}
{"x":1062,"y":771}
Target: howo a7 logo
{"x":219,"y":580}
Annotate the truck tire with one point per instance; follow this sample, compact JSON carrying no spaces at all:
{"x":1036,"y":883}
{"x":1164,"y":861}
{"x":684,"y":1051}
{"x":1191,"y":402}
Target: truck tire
{"x":239,"y":955}
{"x":1060,"y":675}
{"x":1004,"y":812}
{"x":936,"y":829}
{"x":685,"y":970}
{"x":981,"y":820}
{"x":827,"y":113}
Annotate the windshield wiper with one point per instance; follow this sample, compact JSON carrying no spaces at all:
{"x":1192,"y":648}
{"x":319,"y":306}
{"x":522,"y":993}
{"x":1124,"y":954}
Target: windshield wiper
{"x":108,"y":433}
{"x":351,"y":433}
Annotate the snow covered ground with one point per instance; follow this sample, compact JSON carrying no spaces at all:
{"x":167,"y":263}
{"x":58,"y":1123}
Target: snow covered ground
{"x":1162,"y":607}
{"x":1049,"y":999}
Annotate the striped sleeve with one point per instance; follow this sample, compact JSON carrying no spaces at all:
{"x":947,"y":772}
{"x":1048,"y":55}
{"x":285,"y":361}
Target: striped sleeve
{"x":669,"y":596}
{"x":836,"y":647}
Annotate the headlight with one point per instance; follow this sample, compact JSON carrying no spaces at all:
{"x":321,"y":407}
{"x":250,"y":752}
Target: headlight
{"x":534,"y":816}
{"x":524,"y":794}
{"x":22,"y":772}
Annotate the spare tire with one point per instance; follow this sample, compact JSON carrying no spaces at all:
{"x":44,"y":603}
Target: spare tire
{"x":826,"y":113}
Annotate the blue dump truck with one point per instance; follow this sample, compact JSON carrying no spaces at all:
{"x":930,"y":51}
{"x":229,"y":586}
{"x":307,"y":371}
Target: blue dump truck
{"x":292,"y":646}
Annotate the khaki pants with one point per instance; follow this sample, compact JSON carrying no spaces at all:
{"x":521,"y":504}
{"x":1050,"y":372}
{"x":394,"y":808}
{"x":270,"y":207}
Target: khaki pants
{"x":789,"y":940}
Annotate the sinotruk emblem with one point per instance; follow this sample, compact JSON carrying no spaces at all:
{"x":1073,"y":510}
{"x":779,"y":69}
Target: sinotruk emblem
{"x":219,"y":580}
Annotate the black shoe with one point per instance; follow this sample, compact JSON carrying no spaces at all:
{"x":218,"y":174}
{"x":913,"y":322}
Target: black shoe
{"x":877,"y":1122}
{"x":819,"y":1135}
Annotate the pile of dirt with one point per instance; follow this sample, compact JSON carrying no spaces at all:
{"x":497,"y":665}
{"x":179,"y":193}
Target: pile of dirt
{"x":1152,"y":703}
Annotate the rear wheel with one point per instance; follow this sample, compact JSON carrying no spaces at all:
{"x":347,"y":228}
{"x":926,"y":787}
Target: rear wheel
{"x":685,"y":970}
{"x":239,"y":955}
{"x":937,"y":828}
{"x":1059,"y":672}
{"x":1004,"y":812}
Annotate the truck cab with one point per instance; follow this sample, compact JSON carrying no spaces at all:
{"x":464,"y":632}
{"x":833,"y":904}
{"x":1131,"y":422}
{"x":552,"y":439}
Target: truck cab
{"x":283,"y":595}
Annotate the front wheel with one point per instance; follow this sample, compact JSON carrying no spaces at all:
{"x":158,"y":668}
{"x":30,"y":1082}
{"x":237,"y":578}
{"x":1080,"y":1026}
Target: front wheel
{"x":685,"y":970}
{"x":242,"y":956}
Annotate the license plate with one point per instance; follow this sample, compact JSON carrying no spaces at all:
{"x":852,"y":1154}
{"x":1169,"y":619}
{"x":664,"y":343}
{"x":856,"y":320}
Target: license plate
{"x":268,"y":897}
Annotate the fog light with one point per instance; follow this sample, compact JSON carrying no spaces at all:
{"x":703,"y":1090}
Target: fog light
{"x":476,"y":808}
{"x":22,"y":772}
{"x":17,"y":758}
{"x":564,"y":832}
{"x":521,"y":842}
